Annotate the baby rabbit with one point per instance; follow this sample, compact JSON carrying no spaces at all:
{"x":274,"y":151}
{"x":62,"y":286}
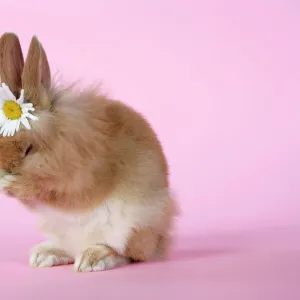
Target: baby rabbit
{"x":90,"y":167}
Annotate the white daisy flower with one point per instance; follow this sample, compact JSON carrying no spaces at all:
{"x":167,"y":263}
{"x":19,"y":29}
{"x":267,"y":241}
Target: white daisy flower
{"x":13,"y":112}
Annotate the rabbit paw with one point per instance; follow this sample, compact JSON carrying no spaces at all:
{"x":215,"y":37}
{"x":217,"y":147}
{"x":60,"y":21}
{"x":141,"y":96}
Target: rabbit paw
{"x":6,"y":181}
{"x":45,"y":255}
{"x":98,"y":258}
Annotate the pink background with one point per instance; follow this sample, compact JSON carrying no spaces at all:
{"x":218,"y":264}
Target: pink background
{"x":219,"y":81}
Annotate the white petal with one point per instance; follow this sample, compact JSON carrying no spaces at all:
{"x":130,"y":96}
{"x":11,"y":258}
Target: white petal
{"x":26,"y":110}
{"x":18,"y":125}
{"x":31,"y":117}
{"x":7,"y":128}
{"x":5,"y":132}
{"x":21,"y":98}
{"x":2,"y":128}
{"x":8,"y":93}
{"x":10,"y":132}
{"x":2,"y":97}
{"x":25,"y":123}
{"x":2,"y":117}
{"x":13,"y":127}
{"x":27,"y":105}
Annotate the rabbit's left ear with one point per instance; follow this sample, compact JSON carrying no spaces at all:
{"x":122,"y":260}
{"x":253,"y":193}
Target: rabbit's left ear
{"x":11,"y":62}
{"x":36,"y":77}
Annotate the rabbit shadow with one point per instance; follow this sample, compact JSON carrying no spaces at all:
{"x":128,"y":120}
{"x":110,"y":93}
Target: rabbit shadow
{"x":203,"y":247}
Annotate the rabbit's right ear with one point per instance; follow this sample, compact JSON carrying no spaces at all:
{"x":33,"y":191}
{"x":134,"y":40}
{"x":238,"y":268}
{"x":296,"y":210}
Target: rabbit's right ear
{"x":11,"y":62}
{"x":36,"y":77}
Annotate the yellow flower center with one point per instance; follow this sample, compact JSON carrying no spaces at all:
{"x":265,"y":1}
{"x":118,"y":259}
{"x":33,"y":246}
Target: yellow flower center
{"x":12,"y":110}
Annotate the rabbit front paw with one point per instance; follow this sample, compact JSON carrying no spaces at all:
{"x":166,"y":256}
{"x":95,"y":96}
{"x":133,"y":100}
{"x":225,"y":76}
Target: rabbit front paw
{"x":6,"y":181}
{"x":98,"y":258}
{"x":45,"y":255}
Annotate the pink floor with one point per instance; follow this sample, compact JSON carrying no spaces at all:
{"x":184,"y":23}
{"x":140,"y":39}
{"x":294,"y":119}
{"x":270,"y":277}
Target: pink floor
{"x":262,"y":264}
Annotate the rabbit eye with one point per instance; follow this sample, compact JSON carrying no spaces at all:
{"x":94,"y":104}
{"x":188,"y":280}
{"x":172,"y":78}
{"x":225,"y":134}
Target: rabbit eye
{"x":29,"y":148}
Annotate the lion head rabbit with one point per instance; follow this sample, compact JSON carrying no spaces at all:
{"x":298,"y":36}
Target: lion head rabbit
{"x":91,"y":168}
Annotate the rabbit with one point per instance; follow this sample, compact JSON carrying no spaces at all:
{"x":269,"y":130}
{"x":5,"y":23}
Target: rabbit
{"x":91,"y":168}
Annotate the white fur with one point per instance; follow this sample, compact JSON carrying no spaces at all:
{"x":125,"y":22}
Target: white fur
{"x":110,"y":224}
{"x":87,"y":263}
{"x":107,"y":263}
{"x":6,"y":181}
{"x":40,"y":257}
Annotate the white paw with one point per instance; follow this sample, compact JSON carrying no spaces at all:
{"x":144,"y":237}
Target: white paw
{"x":6,"y":181}
{"x":98,"y":258}
{"x":43,"y":260}
{"x":107,"y":263}
{"x":43,"y":256}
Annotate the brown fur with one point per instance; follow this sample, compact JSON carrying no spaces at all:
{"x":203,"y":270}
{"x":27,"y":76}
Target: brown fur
{"x":85,"y":146}
{"x":36,"y":76}
{"x":145,"y":238}
{"x":11,"y":62}
{"x":12,"y":152}
{"x":146,"y":244}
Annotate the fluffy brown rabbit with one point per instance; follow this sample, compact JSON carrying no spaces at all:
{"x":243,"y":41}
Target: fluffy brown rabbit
{"x":91,"y":168}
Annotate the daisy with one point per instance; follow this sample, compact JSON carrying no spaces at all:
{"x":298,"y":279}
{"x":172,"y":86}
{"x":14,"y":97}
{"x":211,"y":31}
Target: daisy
{"x":13,"y":112}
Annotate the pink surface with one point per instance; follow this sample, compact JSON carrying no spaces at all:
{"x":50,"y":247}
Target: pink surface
{"x":219,"y":82}
{"x":259,"y":265}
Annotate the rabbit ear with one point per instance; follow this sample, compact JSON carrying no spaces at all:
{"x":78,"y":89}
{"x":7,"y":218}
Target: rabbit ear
{"x":11,"y":62}
{"x":36,"y":77}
